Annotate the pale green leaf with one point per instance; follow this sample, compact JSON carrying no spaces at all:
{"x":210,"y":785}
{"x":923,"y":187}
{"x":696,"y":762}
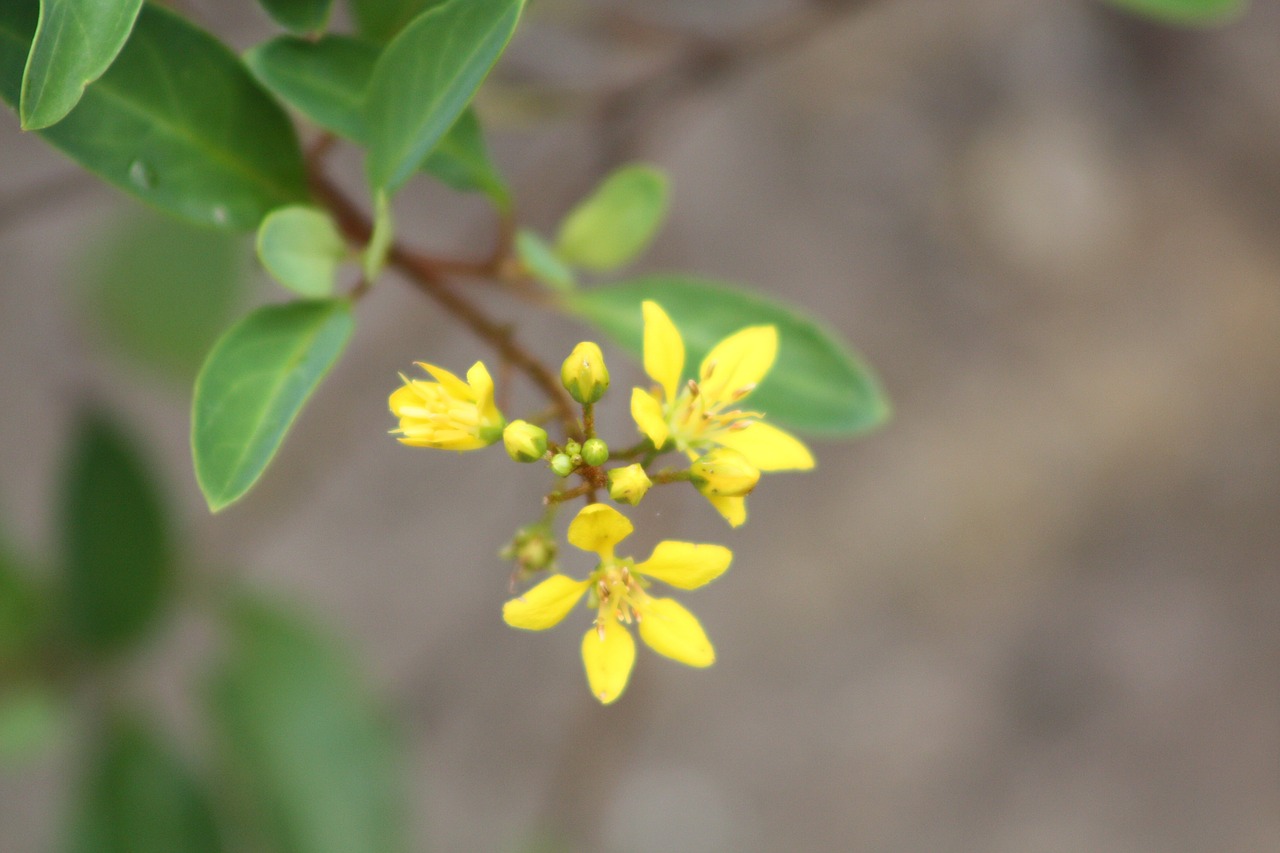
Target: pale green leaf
{"x":539,"y":261}
{"x":301,"y":247}
{"x":75,"y":42}
{"x":384,"y":231}
{"x":176,"y":120}
{"x":615,"y":223}
{"x":1186,"y":12}
{"x":252,"y":387}
{"x":324,"y":79}
{"x":425,"y":78}
{"x":299,"y":16}
{"x":817,"y":385}
{"x":33,"y":719}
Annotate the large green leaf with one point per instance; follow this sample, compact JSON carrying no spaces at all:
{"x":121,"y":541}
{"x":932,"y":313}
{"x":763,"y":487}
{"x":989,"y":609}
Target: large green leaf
{"x":160,"y":290}
{"x":615,"y":223}
{"x":300,"y":16}
{"x":76,"y":40}
{"x":301,"y":247}
{"x":312,"y":758}
{"x":382,"y":20}
{"x":425,"y":78}
{"x":817,"y":385}
{"x":1186,"y":12}
{"x":252,"y":386}
{"x":176,"y":120}
{"x":118,"y":559}
{"x":461,"y":160}
{"x":140,"y":798}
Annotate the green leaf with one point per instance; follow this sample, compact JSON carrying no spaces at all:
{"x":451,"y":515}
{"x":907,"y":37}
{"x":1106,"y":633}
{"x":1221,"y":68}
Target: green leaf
{"x":425,"y":78}
{"x":160,"y":290}
{"x":23,"y":611}
{"x":299,"y":16}
{"x":301,"y":247}
{"x":325,"y":79}
{"x":613,"y":225}
{"x":374,"y":257}
{"x":311,"y":756}
{"x":118,"y":559}
{"x":817,"y":385}
{"x":75,"y":42}
{"x":382,"y":20}
{"x":33,"y":719}
{"x":539,"y":260}
{"x":461,"y":160}
{"x":252,"y":386}
{"x":176,"y":121}
{"x":139,"y":797}
{"x":1187,"y":12}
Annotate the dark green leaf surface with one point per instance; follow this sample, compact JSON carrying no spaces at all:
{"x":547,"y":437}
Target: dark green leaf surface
{"x":118,"y":560}
{"x":324,"y":79}
{"x":160,"y":290}
{"x":1186,"y":12}
{"x":299,"y":16}
{"x":22,"y":609}
{"x":425,"y":78}
{"x":617,"y":221}
{"x":461,"y":160}
{"x":252,"y":387}
{"x":382,"y":20}
{"x":140,"y":798}
{"x":817,"y":385}
{"x":176,"y":120}
{"x":301,"y":247}
{"x":75,"y":42}
{"x":312,"y":759}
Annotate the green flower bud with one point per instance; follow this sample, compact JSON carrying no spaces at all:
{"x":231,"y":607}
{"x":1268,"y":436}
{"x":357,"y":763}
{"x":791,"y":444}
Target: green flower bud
{"x":724,"y":473}
{"x":533,"y":548}
{"x":595,"y":451}
{"x":525,"y":442}
{"x":562,"y":465}
{"x":572,"y":448}
{"x":628,"y":485}
{"x":584,"y":374}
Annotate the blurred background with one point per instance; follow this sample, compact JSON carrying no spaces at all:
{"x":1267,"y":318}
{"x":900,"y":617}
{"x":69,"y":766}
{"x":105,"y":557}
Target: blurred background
{"x":1036,"y":613}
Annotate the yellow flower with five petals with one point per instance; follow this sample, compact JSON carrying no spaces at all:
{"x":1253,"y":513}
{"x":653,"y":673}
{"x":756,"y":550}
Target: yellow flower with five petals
{"x":449,"y":414}
{"x":706,"y":412}
{"x":618,"y":591}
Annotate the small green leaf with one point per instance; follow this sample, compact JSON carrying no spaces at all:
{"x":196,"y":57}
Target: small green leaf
{"x":817,"y":385}
{"x":176,"y":121}
{"x":1187,"y":12}
{"x":325,"y":80}
{"x":614,"y":224}
{"x":382,"y":20}
{"x":118,"y":560}
{"x":461,"y":160}
{"x":384,"y":232}
{"x":425,"y":78}
{"x":539,"y":261}
{"x":301,"y":248}
{"x":140,"y":798}
{"x":252,"y":386}
{"x":160,"y":290}
{"x":299,"y":16}
{"x":33,"y":719}
{"x":75,"y":42}
{"x":312,"y":759}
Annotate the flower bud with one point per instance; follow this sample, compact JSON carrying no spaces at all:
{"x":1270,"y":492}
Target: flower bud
{"x":525,"y":442}
{"x":584,"y":374}
{"x":533,"y":548}
{"x":724,"y":473}
{"x":572,"y":448}
{"x":595,"y":451}
{"x":628,"y":485}
{"x":562,"y":465}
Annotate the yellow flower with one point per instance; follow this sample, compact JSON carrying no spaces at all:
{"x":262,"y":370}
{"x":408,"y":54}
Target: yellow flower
{"x":705,"y":413}
{"x":724,"y":472}
{"x":448,"y":413}
{"x":618,"y":592}
{"x":628,"y":485}
{"x":584,"y":374}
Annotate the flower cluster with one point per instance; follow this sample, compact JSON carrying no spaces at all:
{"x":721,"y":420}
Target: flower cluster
{"x":706,"y":420}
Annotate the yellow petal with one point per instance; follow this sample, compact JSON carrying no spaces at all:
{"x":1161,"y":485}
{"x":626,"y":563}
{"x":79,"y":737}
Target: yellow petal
{"x":670,"y":630}
{"x":598,"y":527}
{"x":481,"y":384}
{"x":686,"y":565}
{"x":734,"y":366}
{"x":608,"y":656}
{"x":402,"y":398}
{"x":768,"y":448}
{"x":663,"y":349}
{"x":734,"y":510}
{"x":647,"y":413}
{"x":453,"y":386}
{"x":545,"y":605}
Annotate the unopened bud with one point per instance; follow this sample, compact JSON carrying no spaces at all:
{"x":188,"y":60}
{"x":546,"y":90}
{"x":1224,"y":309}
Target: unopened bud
{"x":628,"y":485}
{"x":562,"y":465}
{"x":724,"y":473}
{"x":584,"y":374}
{"x":525,"y":442}
{"x":595,"y":451}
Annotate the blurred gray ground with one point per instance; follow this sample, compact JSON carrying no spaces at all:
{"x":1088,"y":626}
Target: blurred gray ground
{"x":1036,"y":614}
